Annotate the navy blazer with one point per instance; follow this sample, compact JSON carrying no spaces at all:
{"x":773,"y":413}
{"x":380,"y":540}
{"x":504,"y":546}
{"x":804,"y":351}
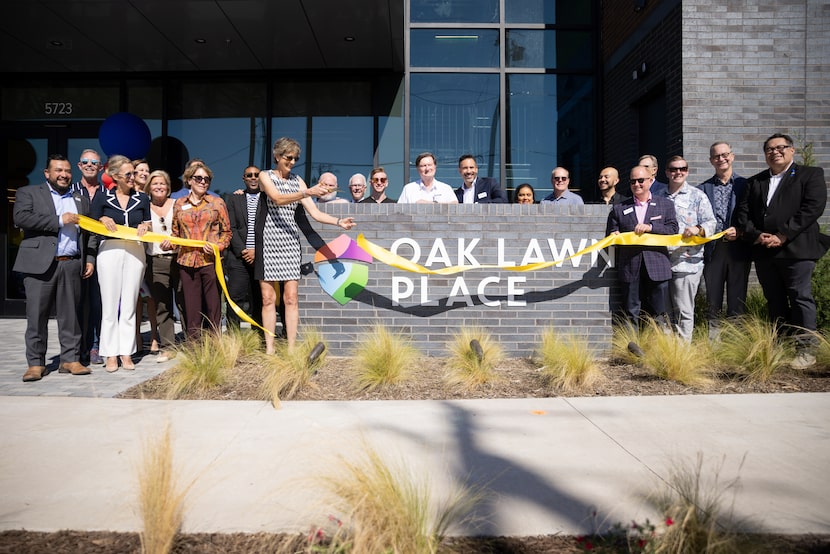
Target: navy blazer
{"x":137,"y":210}
{"x":34,"y":213}
{"x":663,"y":219}
{"x":737,"y":249}
{"x":487,"y":191}
{"x":793,"y":211}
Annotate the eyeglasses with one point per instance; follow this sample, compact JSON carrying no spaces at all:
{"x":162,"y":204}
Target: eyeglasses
{"x":725,"y":155}
{"x":201,"y":179}
{"x":163,"y":226}
{"x":357,"y":186}
{"x":87,"y":161}
{"x":641,"y":180}
{"x":780,"y":148}
{"x":683,"y":169}
{"x":292,"y":158}
{"x":251,"y":175}
{"x":380,"y":179}
{"x":127,"y":176}
{"x":560,"y":178}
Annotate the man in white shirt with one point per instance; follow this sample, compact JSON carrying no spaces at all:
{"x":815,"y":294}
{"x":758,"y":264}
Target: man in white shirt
{"x":427,"y":189}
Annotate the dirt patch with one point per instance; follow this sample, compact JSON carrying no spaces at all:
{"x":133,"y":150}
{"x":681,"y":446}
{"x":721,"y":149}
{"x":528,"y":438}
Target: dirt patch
{"x":517,"y":378}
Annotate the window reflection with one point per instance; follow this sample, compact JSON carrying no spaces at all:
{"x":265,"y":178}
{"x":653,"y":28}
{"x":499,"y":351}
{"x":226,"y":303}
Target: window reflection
{"x":551,"y":123}
{"x":455,"y":11}
{"x":343,"y":146}
{"x":547,"y":11}
{"x":454,"y":48}
{"x":227,"y":146}
{"x":453,"y":114}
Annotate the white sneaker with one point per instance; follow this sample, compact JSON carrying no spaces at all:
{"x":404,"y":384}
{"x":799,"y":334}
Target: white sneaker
{"x":803,"y":361}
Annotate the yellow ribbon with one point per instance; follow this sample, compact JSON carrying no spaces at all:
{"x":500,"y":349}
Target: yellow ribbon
{"x":128,"y":233}
{"x":622,"y":239}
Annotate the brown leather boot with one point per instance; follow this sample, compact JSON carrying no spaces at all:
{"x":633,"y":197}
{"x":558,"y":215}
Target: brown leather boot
{"x":34,"y":373}
{"x":75,"y":368}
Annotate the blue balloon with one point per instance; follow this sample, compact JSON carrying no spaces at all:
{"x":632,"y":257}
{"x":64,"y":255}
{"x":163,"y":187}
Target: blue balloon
{"x":126,"y":134}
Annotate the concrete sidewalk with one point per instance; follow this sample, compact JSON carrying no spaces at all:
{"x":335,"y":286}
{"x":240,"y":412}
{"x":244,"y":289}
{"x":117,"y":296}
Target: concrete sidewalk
{"x":69,"y":461}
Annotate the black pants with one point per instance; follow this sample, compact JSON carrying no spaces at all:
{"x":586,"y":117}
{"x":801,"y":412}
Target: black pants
{"x":788,"y":289}
{"x":243,"y":289}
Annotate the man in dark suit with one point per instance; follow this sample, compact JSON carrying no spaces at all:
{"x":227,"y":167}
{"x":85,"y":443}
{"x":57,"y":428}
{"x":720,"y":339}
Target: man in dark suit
{"x":239,"y":261}
{"x":54,"y":257}
{"x":474,"y":190}
{"x":726,"y":262}
{"x":643,"y":270}
{"x":778,"y":215}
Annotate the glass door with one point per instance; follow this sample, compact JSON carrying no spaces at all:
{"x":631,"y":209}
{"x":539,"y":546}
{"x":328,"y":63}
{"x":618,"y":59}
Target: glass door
{"x":26,"y":147}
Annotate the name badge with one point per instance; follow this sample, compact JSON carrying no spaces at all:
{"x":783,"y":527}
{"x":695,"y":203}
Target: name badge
{"x":628,"y":211}
{"x":186,"y":206}
{"x":482,"y":195}
{"x":655,"y":217}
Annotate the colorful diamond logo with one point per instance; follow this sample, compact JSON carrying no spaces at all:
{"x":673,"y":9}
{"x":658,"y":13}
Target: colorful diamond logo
{"x":342,"y":280}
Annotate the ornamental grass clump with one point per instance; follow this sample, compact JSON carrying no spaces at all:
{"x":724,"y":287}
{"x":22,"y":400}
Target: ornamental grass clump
{"x":567,"y":361}
{"x":669,"y":356}
{"x":382,"y":357}
{"x":205,"y":363}
{"x":695,"y":504}
{"x":624,"y":334}
{"x":287,"y":371}
{"x":390,"y":509}
{"x":751,"y":348}
{"x":473,"y":357}
{"x":823,"y":350}
{"x":160,"y":496}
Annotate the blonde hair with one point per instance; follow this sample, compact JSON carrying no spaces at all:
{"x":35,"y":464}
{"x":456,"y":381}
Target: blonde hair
{"x":158,"y":173}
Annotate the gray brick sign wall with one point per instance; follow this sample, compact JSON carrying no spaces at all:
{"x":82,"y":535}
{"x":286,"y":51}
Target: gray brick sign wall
{"x":515,"y":307}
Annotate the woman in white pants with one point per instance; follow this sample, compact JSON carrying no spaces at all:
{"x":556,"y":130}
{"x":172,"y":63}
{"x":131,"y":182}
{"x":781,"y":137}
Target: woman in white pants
{"x":120,"y":262}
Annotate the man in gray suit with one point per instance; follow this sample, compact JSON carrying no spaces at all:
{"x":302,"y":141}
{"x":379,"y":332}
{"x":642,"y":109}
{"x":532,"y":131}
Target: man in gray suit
{"x":54,"y":257}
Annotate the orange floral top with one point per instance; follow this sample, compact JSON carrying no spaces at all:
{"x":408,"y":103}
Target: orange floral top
{"x":207,"y":220}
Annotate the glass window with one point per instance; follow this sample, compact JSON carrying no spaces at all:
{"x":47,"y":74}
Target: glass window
{"x":454,"y":11}
{"x":550,"y":123}
{"x":453,"y":114}
{"x":343,"y":146}
{"x":549,"y":49}
{"x":454,"y":48}
{"x":547,"y":11}
{"x":390,"y":150}
{"x":390,"y":153}
{"x":227,"y":145}
{"x":221,"y":123}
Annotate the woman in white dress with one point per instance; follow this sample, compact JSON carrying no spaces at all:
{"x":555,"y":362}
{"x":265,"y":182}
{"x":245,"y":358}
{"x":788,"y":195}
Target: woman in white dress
{"x":279,"y":255}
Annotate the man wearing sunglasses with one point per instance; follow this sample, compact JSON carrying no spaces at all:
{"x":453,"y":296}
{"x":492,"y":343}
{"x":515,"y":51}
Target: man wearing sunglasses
{"x":695,"y":218}
{"x":473,"y":190}
{"x":643,"y":271}
{"x":778,"y":215}
{"x":379,"y":181}
{"x":239,"y":260}
{"x":91,"y":167}
{"x":560,"y":178}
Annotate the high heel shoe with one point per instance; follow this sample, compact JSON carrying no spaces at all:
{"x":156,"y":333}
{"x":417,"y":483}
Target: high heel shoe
{"x":112,"y":364}
{"x":127,"y":363}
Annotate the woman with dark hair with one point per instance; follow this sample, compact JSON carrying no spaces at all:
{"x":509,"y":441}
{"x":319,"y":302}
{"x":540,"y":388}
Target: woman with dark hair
{"x":278,"y":252}
{"x":121,"y":262}
{"x":524,"y":194}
